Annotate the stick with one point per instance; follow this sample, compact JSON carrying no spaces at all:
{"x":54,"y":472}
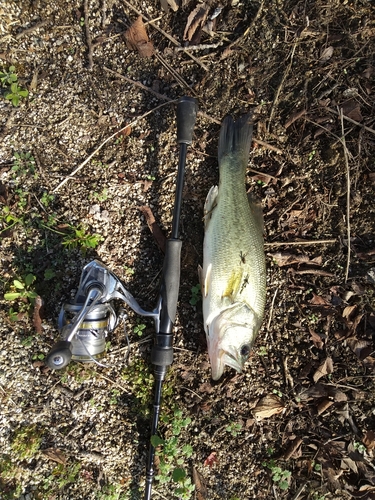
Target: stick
{"x":138,"y":84}
{"x":105,"y":142}
{"x":88,"y":34}
{"x":286,"y":73}
{"x":27,"y":31}
{"x":297,"y":243}
{"x":351,"y":121}
{"x":343,"y":142}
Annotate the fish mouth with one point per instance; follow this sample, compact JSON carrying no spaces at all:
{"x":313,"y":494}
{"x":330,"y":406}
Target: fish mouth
{"x":220,"y":358}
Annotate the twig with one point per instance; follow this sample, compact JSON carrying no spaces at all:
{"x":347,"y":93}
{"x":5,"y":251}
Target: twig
{"x":299,"y":491}
{"x":298,"y":243}
{"x":164,"y":33}
{"x":27,"y":31}
{"x":267,"y":146}
{"x":276,"y":99}
{"x":271,"y":311}
{"x":138,"y":84}
{"x":173,"y":72}
{"x":253,"y":21}
{"x":105,"y":142}
{"x":202,"y":46}
{"x":88,"y":34}
{"x":343,"y":142}
{"x":351,"y":121}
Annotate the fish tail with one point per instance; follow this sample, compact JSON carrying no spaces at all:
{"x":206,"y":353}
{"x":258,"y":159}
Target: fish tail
{"x":235,"y":138}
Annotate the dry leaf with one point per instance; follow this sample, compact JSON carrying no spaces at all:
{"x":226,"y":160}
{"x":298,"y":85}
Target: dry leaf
{"x":362,"y":348}
{"x":324,"y":405}
{"x":348,"y":311}
{"x":200,"y":488}
{"x":317,"y":339}
{"x":324,"y":369}
{"x":287,"y":259}
{"x":267,"y":406}
{"x":211,"y":459}
{"x":167,"y":4}
{"x":326,"y":54}
{"x":137,"y":39}
{"x":352,"y":109}
{"x":369,"y":440}
{"x":56,"y":455}
{"x":195,"y":22}
{"x":37,"y":314}
{"x":157,"y":233}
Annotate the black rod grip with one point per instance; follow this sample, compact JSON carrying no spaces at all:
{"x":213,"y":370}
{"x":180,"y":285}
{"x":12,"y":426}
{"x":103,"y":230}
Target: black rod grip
{"x":170,"y":284}
{"x":187,"y":108}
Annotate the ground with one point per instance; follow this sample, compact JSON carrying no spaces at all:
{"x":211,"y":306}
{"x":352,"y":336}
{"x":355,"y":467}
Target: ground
{"x":92,"y":142}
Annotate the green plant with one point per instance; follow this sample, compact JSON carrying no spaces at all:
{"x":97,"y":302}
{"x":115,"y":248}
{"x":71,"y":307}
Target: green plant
{"x":195,"y":294}
{"x":24,"y":164}
{"x":279,"y":476}
{"x":110,"y":492}
{"x":138,"y":329}
{"x":129,"y":271}
{"x":103,"y":196}
{"x":361,"y":448}
{"x":10,"y":475}
{"x":16,"y":94}
{"x":277,"y":392}
{"x":262,"y":351}
{"x":7,"y":77}
{"x":46,"y":199}
{"x":172,"y":455}
{"x":79,"y":238}
{"x":140,"y":377}
{"x":24,"y":289}
{"x":234,"y":428}
{"x":26,"y":442}
{"x":62,"y":475}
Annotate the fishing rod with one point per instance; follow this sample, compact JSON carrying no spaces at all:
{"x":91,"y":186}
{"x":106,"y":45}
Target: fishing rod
{"x":162,"y":351}
{"x":85,"y":322}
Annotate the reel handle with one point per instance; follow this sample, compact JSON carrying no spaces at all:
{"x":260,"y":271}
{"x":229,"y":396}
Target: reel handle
{"x":60,"y":355}
{"x":186,"y":116}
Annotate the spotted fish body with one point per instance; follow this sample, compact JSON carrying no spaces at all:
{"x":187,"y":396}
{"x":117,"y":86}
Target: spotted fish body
{"x":233,"y":277}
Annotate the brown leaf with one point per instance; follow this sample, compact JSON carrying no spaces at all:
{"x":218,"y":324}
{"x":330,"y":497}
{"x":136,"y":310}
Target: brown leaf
{"x":287,"y":259}
{"x":324,"y":405}
{"x":267,"y":406}
{"x":348,"y":311}
{"x":326,"y":54}
{"x":211,"y":459}
{"x":200,"y":487}
{"x":157,"y":233}
{"x":352,"y":109}
{"x":362,"y":348}
{"x":324,"y":369}
{"x":137,"y":39}
{"x":293,"y":448}
{"x":195,"y":22}
{"x":56,"y":455}
{"x":369,"y":440}
{"x":3,"y":193}
{"x":317,"y":300}
{"x":37,"y":314}
{"x":317,"y":339}
{"x":167,"y":4}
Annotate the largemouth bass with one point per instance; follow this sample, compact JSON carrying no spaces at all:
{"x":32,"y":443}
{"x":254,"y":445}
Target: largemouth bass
{"x":233,"y":278}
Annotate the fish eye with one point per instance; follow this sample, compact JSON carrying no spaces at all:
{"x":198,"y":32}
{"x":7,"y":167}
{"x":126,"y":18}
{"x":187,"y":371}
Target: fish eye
{"x":245,"y":350}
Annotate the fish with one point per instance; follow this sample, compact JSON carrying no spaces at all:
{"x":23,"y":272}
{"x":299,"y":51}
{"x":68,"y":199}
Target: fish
{"x":233,"y":276}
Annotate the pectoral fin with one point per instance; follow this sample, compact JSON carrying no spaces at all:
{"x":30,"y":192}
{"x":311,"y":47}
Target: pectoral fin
{"x":210,"y":204}
{"x":204,"y":280}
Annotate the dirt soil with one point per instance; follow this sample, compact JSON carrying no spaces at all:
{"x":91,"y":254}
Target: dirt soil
{"x":95,"y":140}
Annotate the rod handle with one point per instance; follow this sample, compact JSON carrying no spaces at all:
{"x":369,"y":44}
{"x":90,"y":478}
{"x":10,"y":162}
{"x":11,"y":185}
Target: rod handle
{"x":187,"y":108}
{"x":170,"y":284}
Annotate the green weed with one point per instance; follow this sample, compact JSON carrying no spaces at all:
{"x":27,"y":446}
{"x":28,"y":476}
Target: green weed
{"x":24,"y":164}
{"x":10,"y":475}
{"x":24,"y":289}
{"x":262,"y":351}
{"x":77,"y":237}
{"x":9,"y":81}
{"x":195,"y":294}
{"x":61,"y":476}
{"x":172,"y":455}
{"x":110,"y":492}
{"x":138,"y":329}
{"x":7,"y":77}
{"x":26,"y":442}
{"x":234,"y":428}
{"x":279,"y":476}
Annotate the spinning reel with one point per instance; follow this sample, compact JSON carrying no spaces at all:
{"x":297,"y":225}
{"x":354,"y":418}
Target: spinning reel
{"x":85,"y":322}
